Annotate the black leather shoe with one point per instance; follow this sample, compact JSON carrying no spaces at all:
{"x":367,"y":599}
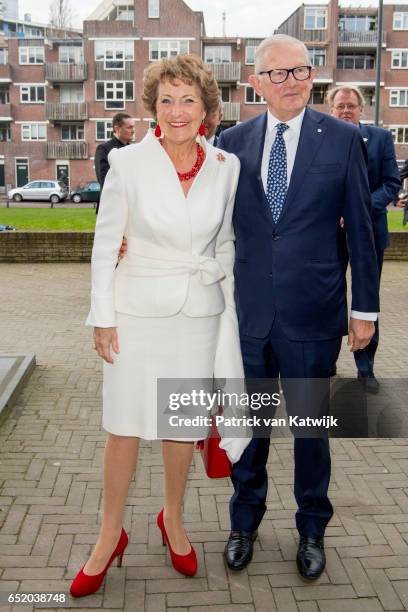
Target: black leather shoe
{"x":310,"y":559}
{"x":239,"y":548}
{"x":370,"y":383}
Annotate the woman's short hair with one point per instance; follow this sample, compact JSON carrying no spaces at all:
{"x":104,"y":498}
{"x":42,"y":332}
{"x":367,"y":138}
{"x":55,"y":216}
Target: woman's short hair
{"x":188,"y":68}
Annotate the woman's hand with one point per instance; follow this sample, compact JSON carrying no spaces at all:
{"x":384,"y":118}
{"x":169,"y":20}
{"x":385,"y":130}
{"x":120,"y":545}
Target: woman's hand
{"x":105,"y":339}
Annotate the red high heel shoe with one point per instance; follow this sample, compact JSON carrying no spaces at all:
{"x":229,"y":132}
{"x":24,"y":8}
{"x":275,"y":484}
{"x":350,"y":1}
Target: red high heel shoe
{"x":185,"y":564}
{"x":86,"y":585}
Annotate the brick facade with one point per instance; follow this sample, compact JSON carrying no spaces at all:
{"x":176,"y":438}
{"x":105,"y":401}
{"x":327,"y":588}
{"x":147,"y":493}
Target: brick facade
{"x":70,"y":108}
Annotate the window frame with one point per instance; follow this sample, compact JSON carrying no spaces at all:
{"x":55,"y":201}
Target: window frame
{"x":394,"y":131}
{"x":26,"y":50}
{"x":151,"y":9}
{"x":127,"y":48}
{"x":115,"y":89}
{"x":78,"y":51}
{"x":316,"y":10}
{"x":70,"y":126}
{"x":254,"y":48}
{"x":397,"y":54}
{"x":250,"y":88}
{"x":353,"y":57}
{"x":398,"y":91}
{"x":29,"y":86}
{"x":402,"y":15}
{"x":108,"y":132}
{"x":320,"y":52}
{"x":218,"y":47}
{"x":32,"y":127}
{"x":161,"y":42}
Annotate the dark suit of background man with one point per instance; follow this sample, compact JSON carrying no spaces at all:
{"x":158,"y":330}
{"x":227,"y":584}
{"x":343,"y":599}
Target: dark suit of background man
{"x":301,"y":171}
{"x":123,"y":130}
{"x":346,"y":103}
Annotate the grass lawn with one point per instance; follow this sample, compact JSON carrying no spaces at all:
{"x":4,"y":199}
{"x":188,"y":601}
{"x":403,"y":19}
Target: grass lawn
{"x":83,"y":220}
{"x":54,"y":219}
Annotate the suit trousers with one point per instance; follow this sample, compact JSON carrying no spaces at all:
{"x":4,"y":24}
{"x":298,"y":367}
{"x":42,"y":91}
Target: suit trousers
{"x":267,"y":358}
{"x":365,"y":357}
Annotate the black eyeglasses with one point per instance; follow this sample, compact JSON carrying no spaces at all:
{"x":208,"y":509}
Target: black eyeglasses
{"x":279,"y":75}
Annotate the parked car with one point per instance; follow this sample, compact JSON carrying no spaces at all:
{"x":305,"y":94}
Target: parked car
{"x":89,"y":193}
{"x":53,"y":191}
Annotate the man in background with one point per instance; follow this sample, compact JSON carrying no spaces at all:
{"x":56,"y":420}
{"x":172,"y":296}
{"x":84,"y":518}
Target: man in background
{"x":347,"y":103}
{"x":213,"y":125}
{"x":123,"y":130}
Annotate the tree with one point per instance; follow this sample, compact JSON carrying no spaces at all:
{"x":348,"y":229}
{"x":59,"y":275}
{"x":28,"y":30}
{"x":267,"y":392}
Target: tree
{"x":61,"y":13}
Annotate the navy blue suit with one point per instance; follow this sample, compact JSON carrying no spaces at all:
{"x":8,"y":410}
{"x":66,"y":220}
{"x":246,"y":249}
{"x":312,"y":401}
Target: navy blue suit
{"x":385,"y":183}
{"x":291,"y":289}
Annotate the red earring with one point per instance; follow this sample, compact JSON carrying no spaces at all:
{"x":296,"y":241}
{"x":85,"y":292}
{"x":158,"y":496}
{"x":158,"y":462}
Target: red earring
{"x":157,"y":131}
{"x":202,"y":130}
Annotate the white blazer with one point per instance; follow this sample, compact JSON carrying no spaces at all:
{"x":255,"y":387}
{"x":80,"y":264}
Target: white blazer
{"x":180,"y":249}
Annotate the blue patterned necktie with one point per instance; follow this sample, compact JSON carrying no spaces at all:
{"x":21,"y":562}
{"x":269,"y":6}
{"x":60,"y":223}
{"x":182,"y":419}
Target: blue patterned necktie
{"x":276,"y":185}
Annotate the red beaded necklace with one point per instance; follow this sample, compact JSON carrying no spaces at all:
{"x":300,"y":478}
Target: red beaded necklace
{"x":186,"y":176}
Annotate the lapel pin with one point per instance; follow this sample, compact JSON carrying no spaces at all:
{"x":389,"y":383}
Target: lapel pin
{"x":221,"y":157}
{"x":365,"y":139}
{"x":319,"y":130}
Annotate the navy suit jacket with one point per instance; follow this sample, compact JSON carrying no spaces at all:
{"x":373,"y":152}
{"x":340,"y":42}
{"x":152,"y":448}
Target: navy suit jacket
{"x":383,"y":178}
{"x":296,"y":267}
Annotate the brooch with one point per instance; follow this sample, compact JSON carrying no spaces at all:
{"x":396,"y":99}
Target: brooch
{"x":220,"y":157}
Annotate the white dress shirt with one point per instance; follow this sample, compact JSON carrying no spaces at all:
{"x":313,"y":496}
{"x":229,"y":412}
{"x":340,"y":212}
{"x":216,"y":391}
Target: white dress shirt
{"x":291,"y":138}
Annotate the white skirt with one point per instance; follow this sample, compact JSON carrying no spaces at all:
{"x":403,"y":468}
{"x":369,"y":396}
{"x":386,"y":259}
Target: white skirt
{"x":177,"y":347}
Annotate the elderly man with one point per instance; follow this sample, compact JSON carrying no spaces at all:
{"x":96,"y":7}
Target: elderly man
{"x":301,"y":171}
{"x":347,"y":103}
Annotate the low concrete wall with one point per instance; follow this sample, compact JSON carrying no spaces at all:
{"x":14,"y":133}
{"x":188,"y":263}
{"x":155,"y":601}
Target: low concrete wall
{"x":77,"y":246}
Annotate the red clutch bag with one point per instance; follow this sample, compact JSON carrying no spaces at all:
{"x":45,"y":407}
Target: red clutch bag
{"x":215,"y":459}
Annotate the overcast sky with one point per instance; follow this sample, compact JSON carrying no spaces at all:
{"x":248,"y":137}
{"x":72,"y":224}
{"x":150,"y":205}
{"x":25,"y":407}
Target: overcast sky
{"x":244,"y":17}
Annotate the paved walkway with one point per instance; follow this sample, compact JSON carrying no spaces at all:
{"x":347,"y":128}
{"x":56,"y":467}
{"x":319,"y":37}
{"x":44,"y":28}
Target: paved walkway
{"x":50,"y":468}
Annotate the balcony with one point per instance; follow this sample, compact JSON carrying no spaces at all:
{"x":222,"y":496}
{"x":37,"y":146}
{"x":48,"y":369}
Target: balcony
{"x":65,"y":72}
{"x":367,"y":40}
{"x":226,"y":73}
{"x":66,"y":111}
{"x":324,"y":74}
{"x":102,"y":74}
{"x":314,"y":36}
{"x":67,"y":150}
{"x":231,"y":111}
{"x":111,"y":29}
{"x":5,"y":73}
{"x":5,"y":112}
{"x":355,"y":76}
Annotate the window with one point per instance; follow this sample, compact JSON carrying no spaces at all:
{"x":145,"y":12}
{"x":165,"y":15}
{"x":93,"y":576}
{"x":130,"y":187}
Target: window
{"x":114,"y":53}
{"x":74,"y":131}
{"x":250,"y":55}
{"x":33,"y":94}
{"x":399,"y":97}
{"x":315,"y":18}
{"x":355,"y":61}
{"x":33,"y":131}
{"x":154,"y":9}
{"x":71,"y":93}
{"x":31,"y":55}
{"x":71,"y":55}
{"x":318,"y":94}
{"x":368,"y":95}
{"x":400,"y":134}
{"x":125,"y":13}
{"x":317,"y":56}
{"x":400,"y":21}
{"x":225,"y":93}
{"x":357,"y":23}
{"x":399,"y":58}
{"x":4,"y":96}
{"x":103,"y":130}
{"x":5,"y":135}
{"x":3,"y":56}
{"x":217,"y":55}
{"x":166,"y":48}
{"x":114,"y":93}
{"x":251,"y":97}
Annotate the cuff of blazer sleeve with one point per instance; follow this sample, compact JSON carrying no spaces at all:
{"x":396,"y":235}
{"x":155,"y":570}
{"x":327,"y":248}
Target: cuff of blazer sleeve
{"x":102,"y":312}
{"x":364,"y":316}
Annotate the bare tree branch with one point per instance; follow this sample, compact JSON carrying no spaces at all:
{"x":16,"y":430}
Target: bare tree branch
{"x":61,"y":14}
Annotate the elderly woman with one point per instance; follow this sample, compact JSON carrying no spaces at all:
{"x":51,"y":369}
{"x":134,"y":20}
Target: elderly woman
{"x":167,"y":310}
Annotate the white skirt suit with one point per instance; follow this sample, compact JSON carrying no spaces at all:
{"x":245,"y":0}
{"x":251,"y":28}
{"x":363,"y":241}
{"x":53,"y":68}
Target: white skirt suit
{"x":172,"y":296}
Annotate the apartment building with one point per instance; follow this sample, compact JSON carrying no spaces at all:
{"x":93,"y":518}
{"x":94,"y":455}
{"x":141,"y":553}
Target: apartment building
{"x":60,"y":89}
{"x":342,"y":45}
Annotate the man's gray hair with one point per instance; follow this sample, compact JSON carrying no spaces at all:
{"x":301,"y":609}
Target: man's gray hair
{"x":274,"y":40}
{"x":332,"y":93}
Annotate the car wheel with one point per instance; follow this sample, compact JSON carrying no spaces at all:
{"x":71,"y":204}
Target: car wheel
{"x":54,"y":199}
{"x":17,"y":197}
{"x":76,"y":198}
